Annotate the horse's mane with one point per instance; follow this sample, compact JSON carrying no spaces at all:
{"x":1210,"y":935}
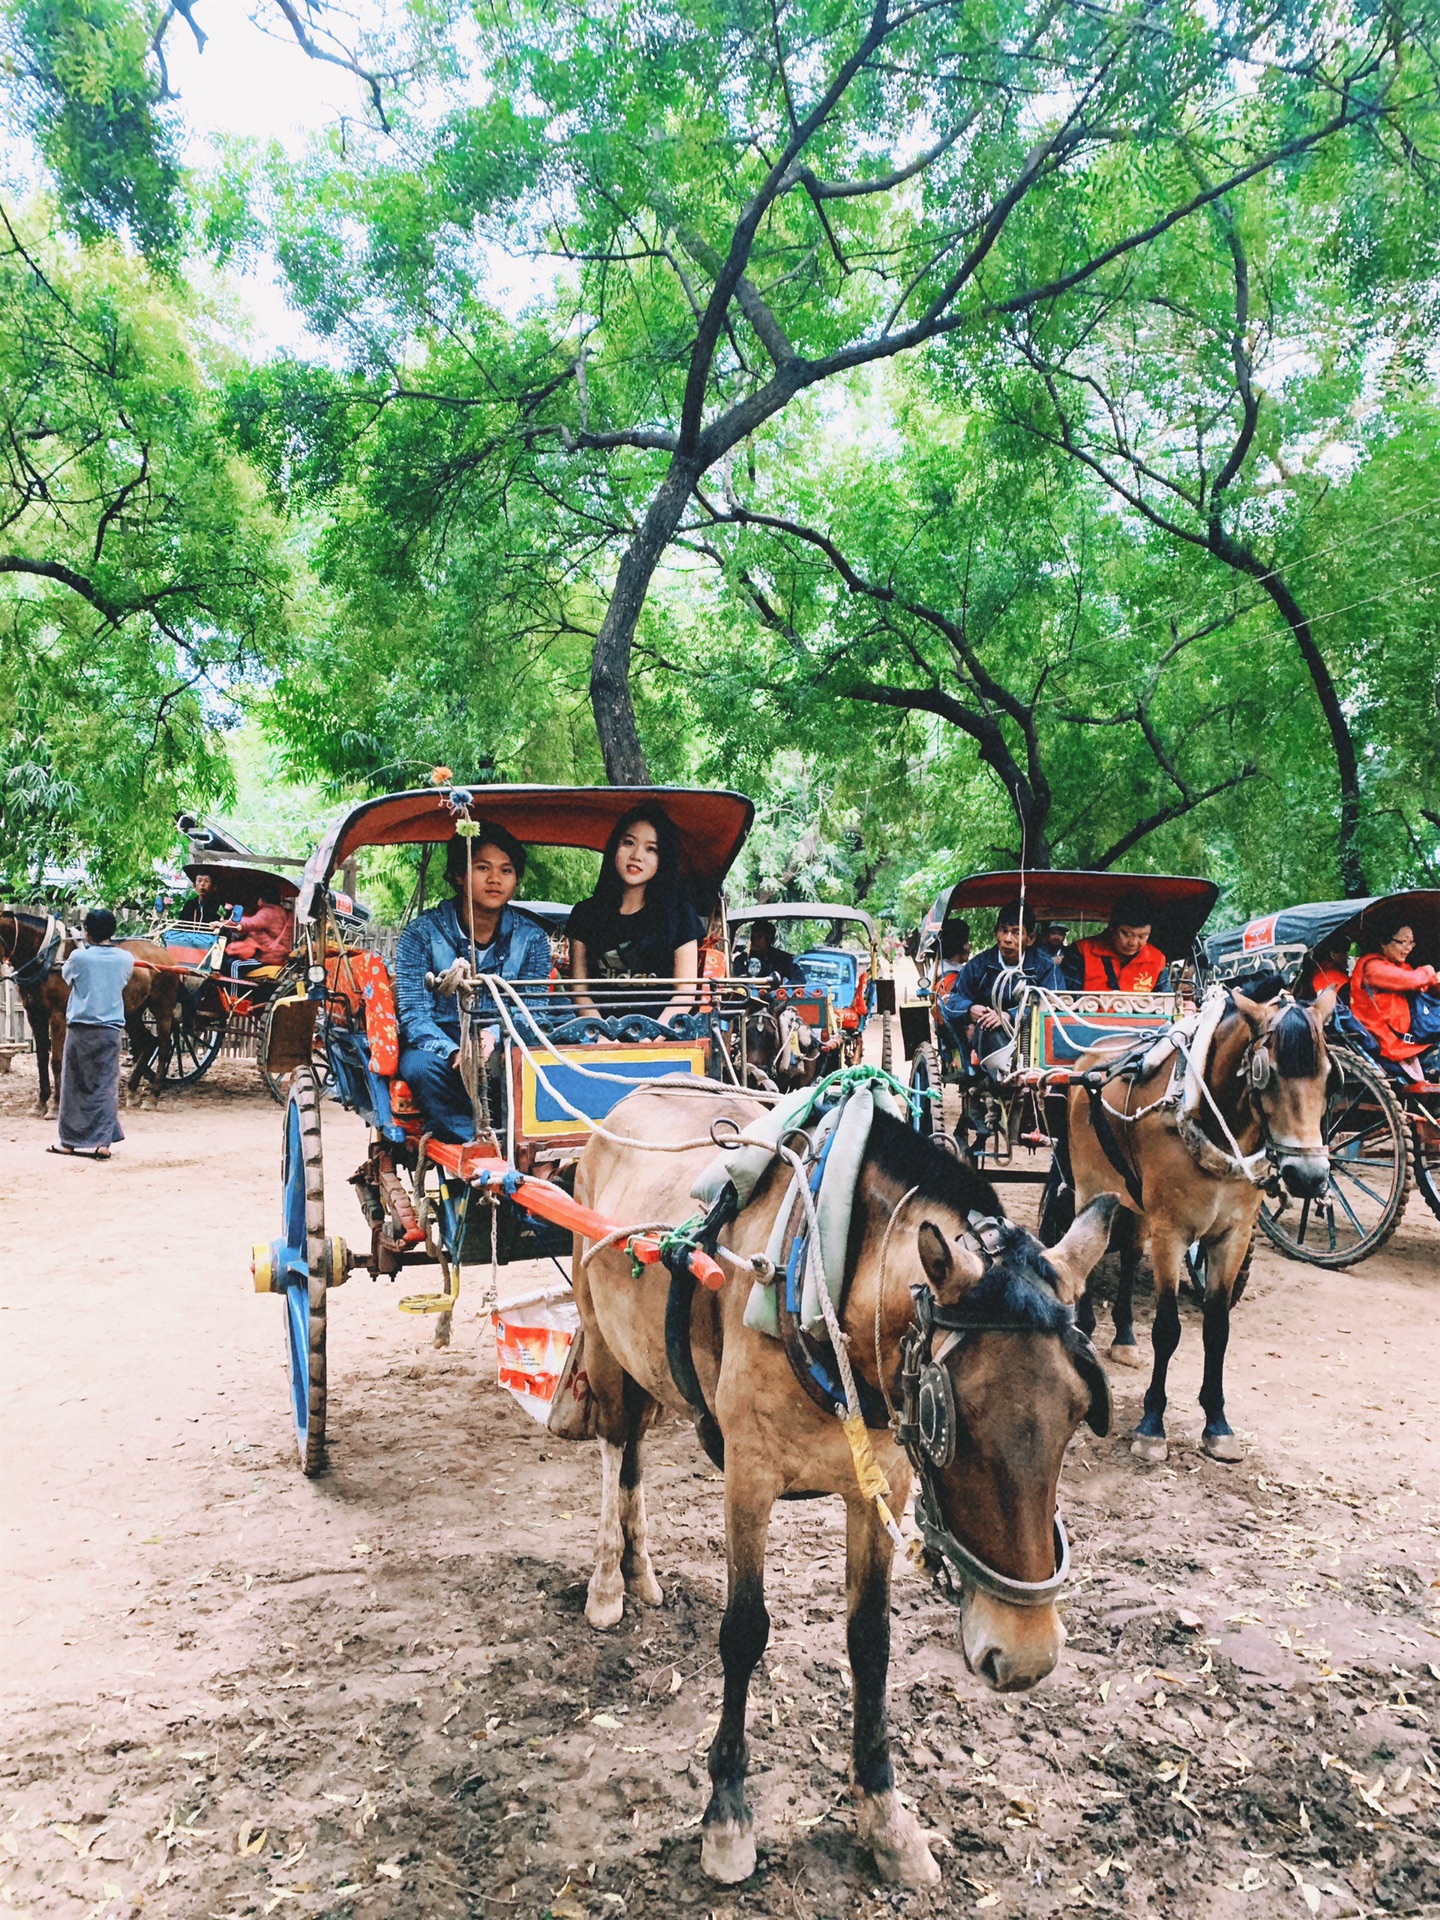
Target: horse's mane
{"x":914,"y":1161}
{"x":1295,"y":1045}
{"x":1020,"y":1286}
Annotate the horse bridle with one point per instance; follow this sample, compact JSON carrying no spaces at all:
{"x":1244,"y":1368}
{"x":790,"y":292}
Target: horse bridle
{"x":41,"y":964}
{"x":1257,"y":1070}
{"x":929,"y":1422}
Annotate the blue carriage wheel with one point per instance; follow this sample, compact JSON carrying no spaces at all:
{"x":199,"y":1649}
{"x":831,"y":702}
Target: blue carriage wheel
{"x":303,"y":1263}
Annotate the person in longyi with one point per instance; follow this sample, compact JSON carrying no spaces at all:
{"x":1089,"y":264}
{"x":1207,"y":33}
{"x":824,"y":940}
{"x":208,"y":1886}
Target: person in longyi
{"x":97,"y":974}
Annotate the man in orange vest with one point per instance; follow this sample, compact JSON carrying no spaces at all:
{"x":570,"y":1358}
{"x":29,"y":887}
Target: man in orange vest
{"x":1120,"y":960}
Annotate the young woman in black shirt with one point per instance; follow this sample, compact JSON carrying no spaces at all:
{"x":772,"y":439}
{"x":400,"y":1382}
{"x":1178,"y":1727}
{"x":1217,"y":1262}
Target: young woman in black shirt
{"x":637,"y":925}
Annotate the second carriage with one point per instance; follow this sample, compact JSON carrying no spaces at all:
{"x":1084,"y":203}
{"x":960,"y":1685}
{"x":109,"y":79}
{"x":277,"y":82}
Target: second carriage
{"x":1382,"y":1129}
{"x":1006,"y":1116}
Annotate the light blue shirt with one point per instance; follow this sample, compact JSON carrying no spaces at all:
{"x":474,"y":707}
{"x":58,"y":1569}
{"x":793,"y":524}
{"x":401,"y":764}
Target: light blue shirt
{"x":98,"y":977}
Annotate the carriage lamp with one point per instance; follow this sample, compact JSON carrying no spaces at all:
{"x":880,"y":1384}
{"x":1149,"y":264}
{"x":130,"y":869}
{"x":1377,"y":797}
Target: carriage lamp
{"x":315,"y":975}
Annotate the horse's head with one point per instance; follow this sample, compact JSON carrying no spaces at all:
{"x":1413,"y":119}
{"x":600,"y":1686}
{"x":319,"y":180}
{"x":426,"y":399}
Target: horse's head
{"x":1008,"y":1380}
{"x":1286,"y":1070}
{"x":798,"y":1051}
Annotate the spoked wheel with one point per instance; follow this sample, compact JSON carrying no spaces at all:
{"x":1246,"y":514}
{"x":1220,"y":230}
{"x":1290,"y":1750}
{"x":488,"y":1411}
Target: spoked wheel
{"x":197,"y":1034}
{"x":300,"y":1265}
{"x":1425,"y":1136}
{"x":936,"y":1112}
{"x":1370,"y":1151}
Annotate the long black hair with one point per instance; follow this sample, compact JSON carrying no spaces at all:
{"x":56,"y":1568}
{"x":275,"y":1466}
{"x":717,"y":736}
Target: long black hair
{"x":662,"y":893}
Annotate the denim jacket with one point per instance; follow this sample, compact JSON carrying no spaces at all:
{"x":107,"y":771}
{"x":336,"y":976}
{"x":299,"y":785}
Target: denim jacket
{"x":976,"y":980}
{"x":435,"y":940}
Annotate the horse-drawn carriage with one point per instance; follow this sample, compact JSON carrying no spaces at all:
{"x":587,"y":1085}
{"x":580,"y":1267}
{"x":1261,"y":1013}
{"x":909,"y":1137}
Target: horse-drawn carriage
{"x":841,"y":983}
{"x":1382,"y":1130}
{"x":1004,"y":1115}
{"x":504,"y":1195}
{"x":214,"y":992}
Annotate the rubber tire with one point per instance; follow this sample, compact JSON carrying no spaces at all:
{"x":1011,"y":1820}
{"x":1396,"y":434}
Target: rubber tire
{"x":1427,"y":1167}
{"x":1362,"y":1081}
{"x":198,"y":1034}
{"x":302,"y":1216}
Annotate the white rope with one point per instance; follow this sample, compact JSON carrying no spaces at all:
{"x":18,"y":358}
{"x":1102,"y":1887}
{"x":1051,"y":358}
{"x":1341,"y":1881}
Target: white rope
{"x":614,"y":1238}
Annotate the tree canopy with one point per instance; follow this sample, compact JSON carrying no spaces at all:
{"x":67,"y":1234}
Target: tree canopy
{"x":982,"y":432}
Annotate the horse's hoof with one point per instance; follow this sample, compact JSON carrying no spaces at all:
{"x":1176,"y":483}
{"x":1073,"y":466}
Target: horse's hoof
{"x":1223,"y":1446}
{"x":1146,"y":1446}
{"x":894,"y":1836}
{"x":644,"y":1587}
{"x":727,"y":1851}
{"x":604,"y":1605}
{"x":1126,"y":1356}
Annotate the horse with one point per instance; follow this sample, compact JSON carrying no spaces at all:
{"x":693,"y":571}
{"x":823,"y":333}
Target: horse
{"x":1180,"y":1182}
{"x":1015,"y":1371}
{"x":782,"y":1054}
{"x":36,"y":945}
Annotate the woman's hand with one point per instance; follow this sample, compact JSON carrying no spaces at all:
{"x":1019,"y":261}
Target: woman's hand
{"x":579,"y":974}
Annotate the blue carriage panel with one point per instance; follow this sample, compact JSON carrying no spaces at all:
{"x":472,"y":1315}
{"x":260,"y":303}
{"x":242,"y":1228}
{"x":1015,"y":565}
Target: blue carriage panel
{"x":543,"y":1106}
{"x":1059,"y":1035}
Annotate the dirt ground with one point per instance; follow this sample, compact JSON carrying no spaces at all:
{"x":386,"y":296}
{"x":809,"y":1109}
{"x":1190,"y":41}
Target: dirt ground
{"x":230,"y":1691}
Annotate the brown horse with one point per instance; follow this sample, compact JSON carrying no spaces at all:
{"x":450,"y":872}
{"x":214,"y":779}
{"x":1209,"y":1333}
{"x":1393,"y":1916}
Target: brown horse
{"x":36,"y":946}
{"x":1017,"y":1375}
{"x":781,"y":1051}
{"x":1182,"y":1185}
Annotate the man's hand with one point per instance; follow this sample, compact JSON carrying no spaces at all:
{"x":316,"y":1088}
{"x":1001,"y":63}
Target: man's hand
{"x":987,"y":1018}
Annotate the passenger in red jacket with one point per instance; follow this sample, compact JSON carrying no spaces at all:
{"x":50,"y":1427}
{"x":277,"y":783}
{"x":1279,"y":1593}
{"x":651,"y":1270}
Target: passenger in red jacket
{"x":1120,"y":960}
{"x":266,"y":936}
{"x":1384,"y":994}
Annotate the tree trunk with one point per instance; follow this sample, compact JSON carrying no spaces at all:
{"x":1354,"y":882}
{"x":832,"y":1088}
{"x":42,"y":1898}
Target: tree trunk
{"x":1347,"y":765}
{"x":610,"y":697}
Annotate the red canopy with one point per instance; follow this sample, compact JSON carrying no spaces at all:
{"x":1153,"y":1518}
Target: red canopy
{"x":712,"y":824}
{"x":1182,"y":904}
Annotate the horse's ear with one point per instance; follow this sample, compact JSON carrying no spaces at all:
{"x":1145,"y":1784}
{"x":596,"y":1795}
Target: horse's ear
{"x":1325,"y":1005}
{"x":1250,"y":1011}
{"x":945,"y":1265}
{"x":1083,"y":1246}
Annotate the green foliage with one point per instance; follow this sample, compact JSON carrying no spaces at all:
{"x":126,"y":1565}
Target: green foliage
{"x":88,"y":92}
{"x":143,"y":576}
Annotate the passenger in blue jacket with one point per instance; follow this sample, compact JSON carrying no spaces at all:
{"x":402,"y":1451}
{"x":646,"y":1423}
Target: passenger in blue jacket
{"x":970,"y":1005}
{"x":506,"y":941}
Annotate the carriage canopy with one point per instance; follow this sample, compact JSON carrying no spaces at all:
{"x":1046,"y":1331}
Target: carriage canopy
{"x":1297,"y":930}
{"x":239,"y":886}
{"x":712,"y":825}
{"x":815,"y":910}
{"x":1182,"y":904}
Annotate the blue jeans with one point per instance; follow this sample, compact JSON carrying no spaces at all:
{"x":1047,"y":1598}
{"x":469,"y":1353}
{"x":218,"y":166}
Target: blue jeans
{"x":440,"y":1092}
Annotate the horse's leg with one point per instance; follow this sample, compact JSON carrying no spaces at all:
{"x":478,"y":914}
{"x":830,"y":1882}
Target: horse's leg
{"x":1167,"y":1254}
{"x":888,"y":1829}
{"x":39,"y":1018}
{"x":1085,"y":1312}
{"x":635,"y":1567}
{"x":727,"y":1839}
{"x":1223,"y":1263}
{"x":1125,"y":1239}
{"x":605,"y":1600}
{"x":57,"y":1057}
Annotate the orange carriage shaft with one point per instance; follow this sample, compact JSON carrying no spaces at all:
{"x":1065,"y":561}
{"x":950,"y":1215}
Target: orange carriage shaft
{"x":552,"y":1203}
